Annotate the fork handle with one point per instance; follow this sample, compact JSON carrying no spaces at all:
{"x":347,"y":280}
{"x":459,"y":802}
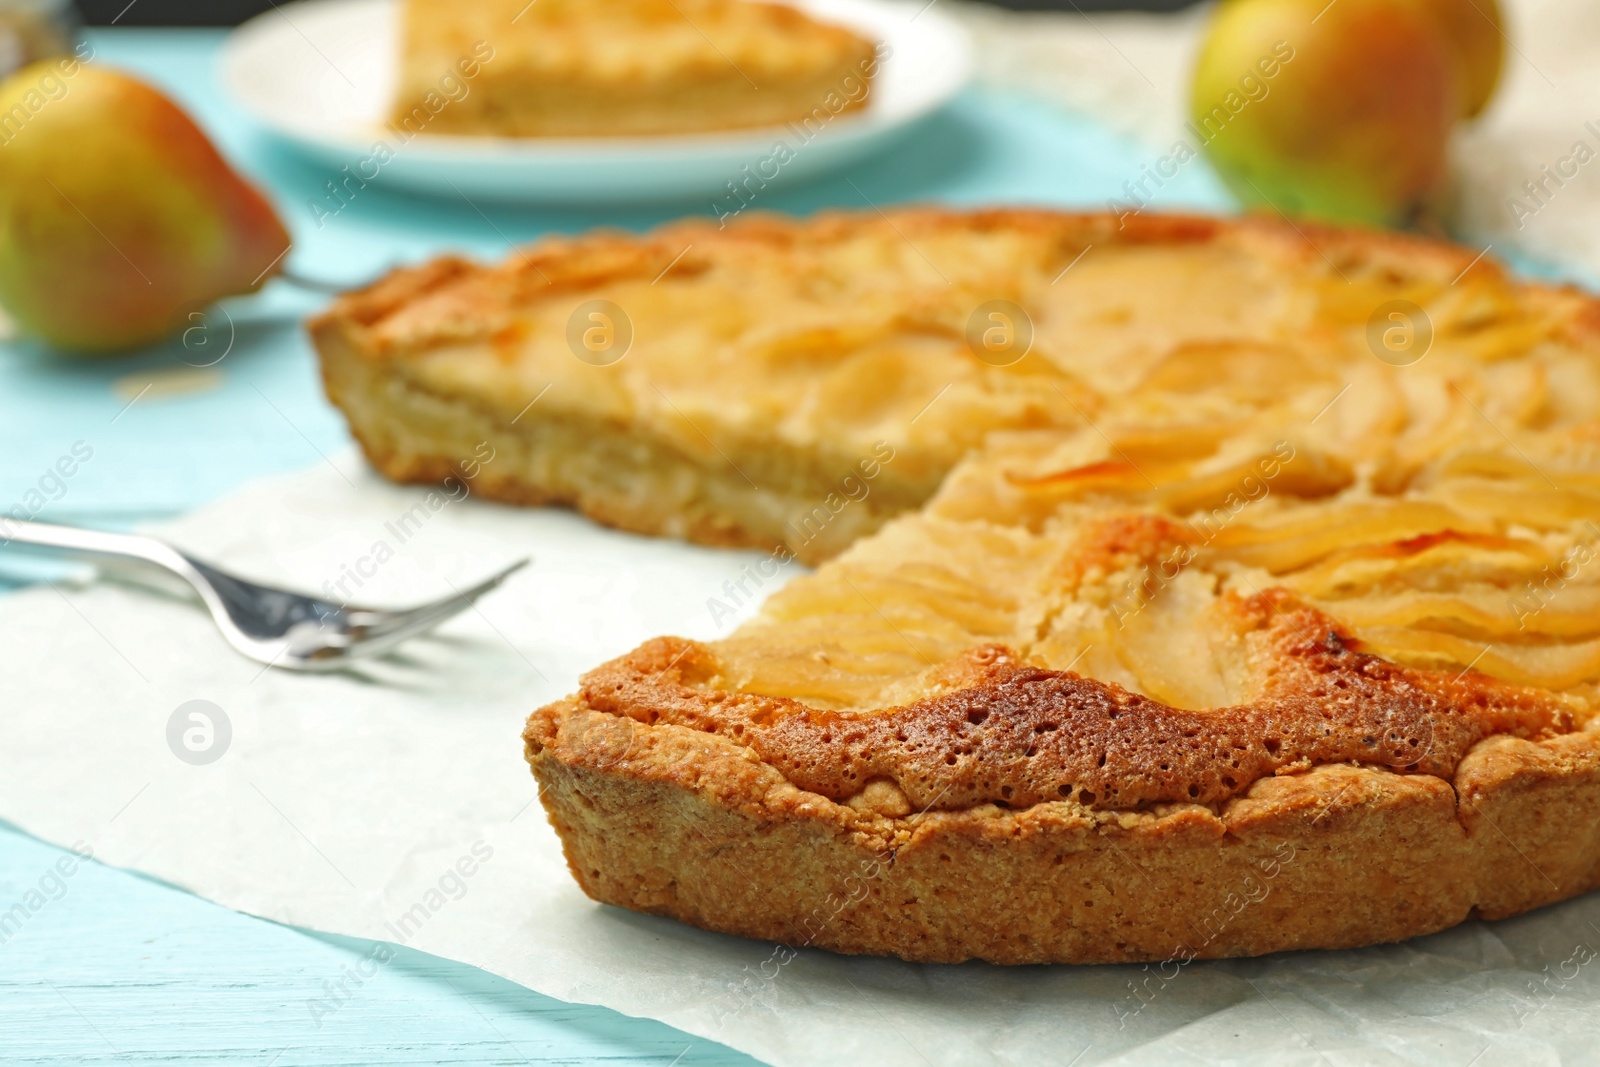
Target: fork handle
{"x":93,"y":544}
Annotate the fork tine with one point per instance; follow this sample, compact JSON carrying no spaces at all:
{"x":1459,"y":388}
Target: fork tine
{"x":455,"y":603}
{"x":488,"y":584}
{"x":390,"y":628}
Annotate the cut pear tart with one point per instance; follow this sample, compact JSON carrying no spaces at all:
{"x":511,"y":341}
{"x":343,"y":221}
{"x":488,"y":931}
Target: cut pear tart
{"x":1249,"y":602}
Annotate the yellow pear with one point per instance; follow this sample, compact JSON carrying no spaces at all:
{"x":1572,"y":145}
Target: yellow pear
{"x":1336,"y":111}
{"x":1474,"y":29}
{"x":117,"y":214}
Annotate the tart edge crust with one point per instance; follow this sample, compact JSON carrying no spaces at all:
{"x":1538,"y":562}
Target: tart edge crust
{"x":680,"y":822}
{"x":613,"y":474}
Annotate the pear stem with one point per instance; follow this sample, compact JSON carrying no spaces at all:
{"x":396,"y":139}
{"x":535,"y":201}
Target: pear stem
{"x":316,"y":285}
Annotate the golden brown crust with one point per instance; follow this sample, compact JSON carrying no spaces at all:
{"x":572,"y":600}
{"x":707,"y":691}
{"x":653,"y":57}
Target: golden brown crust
{"x":1016,"y":735}
{"x":618,"y":475}
{"x":1332,"y":857}
{"x":1530,"y":811}
{"x":1357,"y":802}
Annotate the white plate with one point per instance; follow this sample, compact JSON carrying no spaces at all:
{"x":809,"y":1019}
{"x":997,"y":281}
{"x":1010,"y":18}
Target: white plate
{"x":320,"y":74}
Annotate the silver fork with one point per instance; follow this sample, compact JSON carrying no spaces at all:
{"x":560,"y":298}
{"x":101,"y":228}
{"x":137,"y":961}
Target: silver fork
{"x":271,"y":626}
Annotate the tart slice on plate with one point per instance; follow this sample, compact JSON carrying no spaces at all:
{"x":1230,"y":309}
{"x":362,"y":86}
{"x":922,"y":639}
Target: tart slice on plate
{"x":621,"y":68}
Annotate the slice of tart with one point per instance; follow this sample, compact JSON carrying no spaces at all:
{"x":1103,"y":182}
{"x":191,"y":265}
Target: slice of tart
{"x":587,"y":68}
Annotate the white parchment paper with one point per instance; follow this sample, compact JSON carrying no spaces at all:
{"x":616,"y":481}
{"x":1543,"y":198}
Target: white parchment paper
{"x":394,"y":804}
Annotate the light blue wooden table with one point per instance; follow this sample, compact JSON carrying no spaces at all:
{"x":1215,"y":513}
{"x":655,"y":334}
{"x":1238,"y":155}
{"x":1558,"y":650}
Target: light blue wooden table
{"x":121,"y":969}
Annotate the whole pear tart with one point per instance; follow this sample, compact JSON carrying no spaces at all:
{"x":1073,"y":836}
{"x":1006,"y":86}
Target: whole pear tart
{"x":1253,"y":606}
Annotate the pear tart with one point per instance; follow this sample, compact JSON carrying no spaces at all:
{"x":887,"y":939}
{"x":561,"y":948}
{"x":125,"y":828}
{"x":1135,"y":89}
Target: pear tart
{"x":1250,"y":604}
{"x":596,"y":68}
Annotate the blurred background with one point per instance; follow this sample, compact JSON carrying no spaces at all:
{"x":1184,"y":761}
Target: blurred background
{"x":230,"y":12}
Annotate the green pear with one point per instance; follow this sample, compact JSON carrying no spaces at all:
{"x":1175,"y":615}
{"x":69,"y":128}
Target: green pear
{"x":118,"y":217}
{"x":1353,"y":122}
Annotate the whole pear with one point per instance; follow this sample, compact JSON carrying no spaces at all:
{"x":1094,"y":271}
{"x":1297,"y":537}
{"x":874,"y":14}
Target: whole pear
{"x":1475,"y":31}
{"x":1337,"y":111}
{"x":117,"y":214}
